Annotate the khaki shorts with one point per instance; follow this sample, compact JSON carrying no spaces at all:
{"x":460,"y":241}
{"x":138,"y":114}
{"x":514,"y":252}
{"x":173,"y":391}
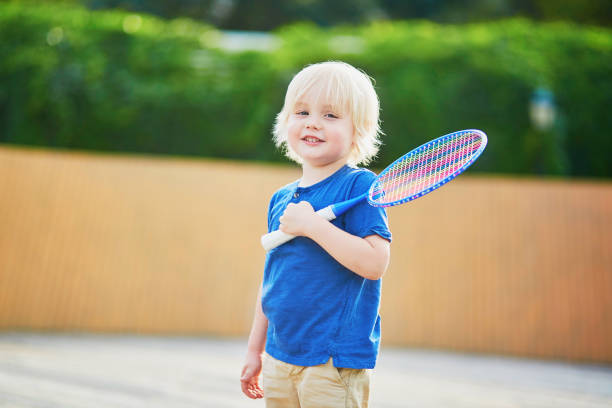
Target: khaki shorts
{"x":323,"y":386}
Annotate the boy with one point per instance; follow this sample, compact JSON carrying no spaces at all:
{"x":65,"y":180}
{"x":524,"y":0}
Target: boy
{"x":317,"y":308}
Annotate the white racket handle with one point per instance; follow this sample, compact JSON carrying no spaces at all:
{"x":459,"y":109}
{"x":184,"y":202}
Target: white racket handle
{"x":278,"y":237}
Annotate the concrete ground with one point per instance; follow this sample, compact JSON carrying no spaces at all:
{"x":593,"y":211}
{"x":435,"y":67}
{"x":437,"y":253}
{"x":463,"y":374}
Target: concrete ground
{"x":43,"y":370}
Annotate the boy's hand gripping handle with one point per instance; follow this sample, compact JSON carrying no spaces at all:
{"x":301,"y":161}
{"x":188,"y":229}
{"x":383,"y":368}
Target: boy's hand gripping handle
{"x":278,"y":237}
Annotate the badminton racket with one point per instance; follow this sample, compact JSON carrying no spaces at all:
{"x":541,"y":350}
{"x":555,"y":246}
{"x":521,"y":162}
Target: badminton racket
{"x":413,"y":175}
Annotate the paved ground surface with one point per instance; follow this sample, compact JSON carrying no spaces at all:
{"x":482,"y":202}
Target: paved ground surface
{"x":86,"y":370}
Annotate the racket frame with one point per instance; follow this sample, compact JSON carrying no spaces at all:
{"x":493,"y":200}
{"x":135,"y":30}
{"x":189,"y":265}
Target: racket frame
{"x":439,"y":183}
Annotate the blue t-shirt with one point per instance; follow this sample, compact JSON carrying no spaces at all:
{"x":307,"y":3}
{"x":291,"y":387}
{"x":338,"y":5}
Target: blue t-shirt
{"x":317,"y":308}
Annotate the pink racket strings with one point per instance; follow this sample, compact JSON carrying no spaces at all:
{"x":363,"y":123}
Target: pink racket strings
{"x":427,"y":167}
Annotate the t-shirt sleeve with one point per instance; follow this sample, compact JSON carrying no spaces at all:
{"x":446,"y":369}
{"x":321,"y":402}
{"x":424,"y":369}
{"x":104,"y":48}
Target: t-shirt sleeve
{"x":270,"y":206}
{"x":364,"y":219}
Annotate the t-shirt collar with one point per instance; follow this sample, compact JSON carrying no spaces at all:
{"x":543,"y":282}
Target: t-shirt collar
{"x":326,"y":180}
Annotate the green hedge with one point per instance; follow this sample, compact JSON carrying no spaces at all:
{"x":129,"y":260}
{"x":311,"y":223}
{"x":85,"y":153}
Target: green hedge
{"x":113,"y":81}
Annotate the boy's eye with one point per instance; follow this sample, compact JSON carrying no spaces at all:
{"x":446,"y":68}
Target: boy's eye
{"x":331,"y":115}
{"x":301,"y":113}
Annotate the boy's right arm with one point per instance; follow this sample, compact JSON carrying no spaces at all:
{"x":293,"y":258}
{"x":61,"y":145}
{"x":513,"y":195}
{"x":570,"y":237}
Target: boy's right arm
{"x":249,"y":378}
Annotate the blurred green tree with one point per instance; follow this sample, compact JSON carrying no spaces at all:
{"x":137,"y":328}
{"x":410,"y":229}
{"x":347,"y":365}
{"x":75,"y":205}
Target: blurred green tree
{"x":270,"y":14}
{"x":121,"y":81}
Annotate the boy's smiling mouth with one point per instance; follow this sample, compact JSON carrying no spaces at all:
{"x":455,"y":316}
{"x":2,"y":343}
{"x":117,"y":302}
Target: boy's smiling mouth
{"x":312,"y":140}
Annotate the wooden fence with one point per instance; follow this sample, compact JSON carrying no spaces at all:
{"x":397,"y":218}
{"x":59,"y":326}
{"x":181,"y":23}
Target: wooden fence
{"x":171,"y":245}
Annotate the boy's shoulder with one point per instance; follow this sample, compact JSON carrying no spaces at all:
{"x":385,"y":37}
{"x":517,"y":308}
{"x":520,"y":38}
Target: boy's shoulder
{"x":287,"y":188}
{"x":284,"y":190}
{"x":361,"y":173}
{"x":359,"y":178}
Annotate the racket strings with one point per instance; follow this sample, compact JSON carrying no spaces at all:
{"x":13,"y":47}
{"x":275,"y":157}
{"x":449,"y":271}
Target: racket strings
{"x":426,"y":167}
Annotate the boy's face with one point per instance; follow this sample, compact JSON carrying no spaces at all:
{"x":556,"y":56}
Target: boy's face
{"x":318,"y":133}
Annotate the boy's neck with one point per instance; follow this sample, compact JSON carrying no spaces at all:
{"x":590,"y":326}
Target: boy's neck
{"x":313,"y":174}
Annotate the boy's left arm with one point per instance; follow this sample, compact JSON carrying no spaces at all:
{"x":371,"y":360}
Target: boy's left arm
{"x":368,"y":257}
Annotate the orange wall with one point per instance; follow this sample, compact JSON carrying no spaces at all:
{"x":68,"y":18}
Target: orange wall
{"x":165,"y":245}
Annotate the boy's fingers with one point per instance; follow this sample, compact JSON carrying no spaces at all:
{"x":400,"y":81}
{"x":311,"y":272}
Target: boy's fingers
{"x":256,"y":390}
{"x":246,"y":391}
{"x":305,"y":204}
{"x":246,"y":388}
{"x":251,"y":390}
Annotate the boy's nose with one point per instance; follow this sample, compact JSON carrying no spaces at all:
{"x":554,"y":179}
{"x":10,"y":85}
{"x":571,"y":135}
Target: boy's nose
{"x":312,"y":123}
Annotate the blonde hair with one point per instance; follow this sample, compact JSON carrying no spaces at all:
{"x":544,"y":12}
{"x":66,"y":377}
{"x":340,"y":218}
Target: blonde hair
{"x":347,"y":89}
